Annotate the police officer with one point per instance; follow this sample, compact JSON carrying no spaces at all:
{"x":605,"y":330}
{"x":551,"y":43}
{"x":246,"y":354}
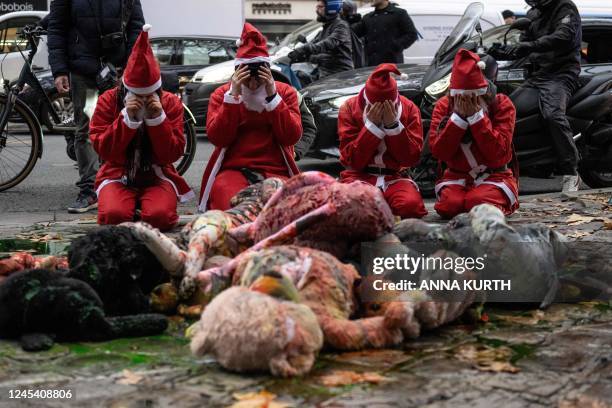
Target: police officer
{"x":553,"y":42}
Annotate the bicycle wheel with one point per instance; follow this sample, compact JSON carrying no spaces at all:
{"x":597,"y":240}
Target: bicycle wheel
{"x":23,"y":143}
{"x":190,"y":147}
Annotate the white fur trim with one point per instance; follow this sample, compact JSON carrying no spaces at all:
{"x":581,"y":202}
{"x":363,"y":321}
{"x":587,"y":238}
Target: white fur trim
{"x":482,"y":65}
{"x":475,"y":118}
{"x":501,"y":185}
{"x":147,"y":27}
{"x":375,"y":130}
{"x":156,"y":121}
{"x":458,"y":120}
{"x":211,"y":179}
{"x":146,"y":90}
{"x":106,"y":182}
{"x":128,"y":122}
{"x":440,"y":186}
{"x":396,"y":130}
{"x":270,"y":106}
{"x":480,"y":91}
{"x":183,"y":198}
{"x":240,"y":61}
{"x":229,"y":98}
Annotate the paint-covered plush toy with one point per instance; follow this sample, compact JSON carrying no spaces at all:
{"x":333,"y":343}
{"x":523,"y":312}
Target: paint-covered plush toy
{"x":260,"y":328}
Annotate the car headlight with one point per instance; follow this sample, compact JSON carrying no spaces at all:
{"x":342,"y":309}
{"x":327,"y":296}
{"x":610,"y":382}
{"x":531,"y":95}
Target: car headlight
{"x":216,"y":74}
{"x":436,"y":89}
{"x":338,"y":102}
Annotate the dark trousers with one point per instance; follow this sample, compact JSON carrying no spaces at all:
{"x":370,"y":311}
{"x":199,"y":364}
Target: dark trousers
{"x":87,"y":159}
{"x":554,"y":93}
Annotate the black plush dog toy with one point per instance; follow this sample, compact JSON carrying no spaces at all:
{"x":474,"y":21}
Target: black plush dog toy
{"x":40,"y":306}
{"x":119,"y":267}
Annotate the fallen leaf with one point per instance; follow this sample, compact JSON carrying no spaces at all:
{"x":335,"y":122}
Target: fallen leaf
{"x":531,"y":320}
{"x":130,"y":378}
{"x":485,"y":358}
{"x":340,"y":378}
{"x":499,"y":367}
{"x":577,"y":219}
{"x":608,"y":223}
{"x":577,"y":234}
{"x":261,"y":399}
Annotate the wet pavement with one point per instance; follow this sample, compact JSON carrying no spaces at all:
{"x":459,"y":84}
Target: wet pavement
{"x":559,"y":357}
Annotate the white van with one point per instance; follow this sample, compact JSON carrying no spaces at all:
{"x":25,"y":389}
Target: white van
{"x":11,"y":59}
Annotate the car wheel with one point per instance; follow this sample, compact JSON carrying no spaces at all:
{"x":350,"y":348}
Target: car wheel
{"x":63,"y":106}
{"x":596,"y":179}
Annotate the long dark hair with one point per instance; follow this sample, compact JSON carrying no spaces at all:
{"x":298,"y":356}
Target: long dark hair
{"x":139,"y":154}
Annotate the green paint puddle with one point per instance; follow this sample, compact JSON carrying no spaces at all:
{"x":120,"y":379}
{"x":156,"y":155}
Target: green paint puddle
{"x":52,"y":247}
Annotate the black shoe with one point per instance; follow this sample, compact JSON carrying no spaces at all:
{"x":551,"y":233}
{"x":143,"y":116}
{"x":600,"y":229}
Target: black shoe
{"x":83,"y":204}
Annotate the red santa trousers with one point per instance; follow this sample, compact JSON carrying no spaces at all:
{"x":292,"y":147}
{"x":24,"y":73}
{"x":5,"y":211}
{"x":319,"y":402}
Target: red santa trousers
{"x":117,"y":203}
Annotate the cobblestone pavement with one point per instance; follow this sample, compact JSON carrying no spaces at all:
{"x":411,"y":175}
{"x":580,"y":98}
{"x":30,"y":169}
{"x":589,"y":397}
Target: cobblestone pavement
{"x":558,"y":357}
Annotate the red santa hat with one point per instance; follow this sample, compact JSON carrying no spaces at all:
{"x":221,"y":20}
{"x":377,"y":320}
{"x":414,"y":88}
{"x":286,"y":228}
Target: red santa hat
{"x":252,"y":47}
{"x":381,"y":86}
{"x":467,"y":76}
{"x":142,"y":75}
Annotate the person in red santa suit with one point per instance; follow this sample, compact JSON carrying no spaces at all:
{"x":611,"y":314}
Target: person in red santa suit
{"x":380,"y":136}
{"x":253,"y":122}
{"x":471,"y":133}
{"x":137,"y":130}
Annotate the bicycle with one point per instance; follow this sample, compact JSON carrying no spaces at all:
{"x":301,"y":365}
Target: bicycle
{"x":21,"y":134}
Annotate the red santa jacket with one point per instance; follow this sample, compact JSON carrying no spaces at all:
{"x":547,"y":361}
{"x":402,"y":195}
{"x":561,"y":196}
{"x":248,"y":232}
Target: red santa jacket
{"x":363,"y":144}
{"x":490,"y":147}
{"x":262,"y":142}
{"x":111,"y":133}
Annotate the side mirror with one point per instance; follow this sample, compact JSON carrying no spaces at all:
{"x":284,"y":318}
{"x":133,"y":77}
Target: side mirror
{"x":521,"y":24}
{"x":302,"y":39}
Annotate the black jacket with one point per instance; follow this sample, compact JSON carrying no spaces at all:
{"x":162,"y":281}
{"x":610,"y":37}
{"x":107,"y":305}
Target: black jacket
{"x":332,"y":49}
{"x":387,"y":33}
{"x":73,"y":36}
{"x":309,"y":130}
{"x":555,"y":37}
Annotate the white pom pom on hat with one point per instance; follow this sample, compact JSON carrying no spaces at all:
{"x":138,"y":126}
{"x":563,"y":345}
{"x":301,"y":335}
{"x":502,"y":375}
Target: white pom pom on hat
{"x":403,"y":77}
{"x":482,"y":65}
{"x":147,"y":27}
{"x":239,"y":43}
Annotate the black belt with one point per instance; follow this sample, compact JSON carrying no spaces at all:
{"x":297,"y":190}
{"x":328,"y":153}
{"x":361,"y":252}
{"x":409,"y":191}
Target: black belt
{"x":488,"y":170}
{"x":380,"y":171}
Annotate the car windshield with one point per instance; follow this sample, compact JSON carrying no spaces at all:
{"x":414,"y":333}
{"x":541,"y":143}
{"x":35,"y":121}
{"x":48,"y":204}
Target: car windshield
{"x":463,"y":29}
{"x":306,"y":30}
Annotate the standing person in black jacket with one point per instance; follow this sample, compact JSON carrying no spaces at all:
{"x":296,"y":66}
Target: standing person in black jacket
{"x":332,"y":49}
{"x":83,"y":37}
{"x":387,"y":31}
{"x":553,"y":42}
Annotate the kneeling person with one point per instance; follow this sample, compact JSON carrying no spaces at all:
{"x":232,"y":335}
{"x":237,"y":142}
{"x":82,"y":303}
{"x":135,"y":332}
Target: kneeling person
{"x":254,"y":123}
{"x":471,"y":133}
{"x":137,"y":129}
{"x":381,"y":135}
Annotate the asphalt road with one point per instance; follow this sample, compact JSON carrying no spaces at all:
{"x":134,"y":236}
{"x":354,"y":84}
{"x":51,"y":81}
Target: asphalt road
{"x":50,"y":187}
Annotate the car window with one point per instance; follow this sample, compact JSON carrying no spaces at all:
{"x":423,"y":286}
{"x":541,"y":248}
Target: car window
{"x":10,"y":41}
{"x":205,"y":52}
{"x":596,"y":47}
{"x":163,"y":49}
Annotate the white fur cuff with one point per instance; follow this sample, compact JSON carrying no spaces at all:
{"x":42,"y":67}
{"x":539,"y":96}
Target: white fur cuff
{"x":396,"y":130}
{"x":375,"y":130}
{"x":229,"y":98}
{"x":273,"y":103}
{"x":156,"y":121}
{"x":477,"y":117}
{"x":128,"y":122}
{"x":458,"y":120}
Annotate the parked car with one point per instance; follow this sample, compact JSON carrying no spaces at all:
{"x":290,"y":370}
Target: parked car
{"x":11,"y":45}
{"x":180,"y":56}
{"x":433,"y":20}
{"x":325,"y":97}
